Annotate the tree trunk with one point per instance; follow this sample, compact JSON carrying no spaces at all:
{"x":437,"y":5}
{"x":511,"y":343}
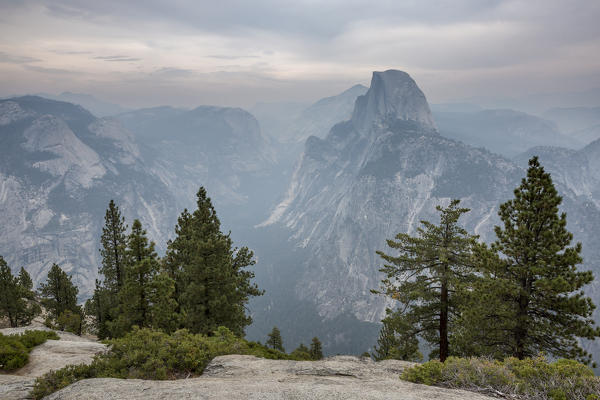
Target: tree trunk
{"x":444,"y":320}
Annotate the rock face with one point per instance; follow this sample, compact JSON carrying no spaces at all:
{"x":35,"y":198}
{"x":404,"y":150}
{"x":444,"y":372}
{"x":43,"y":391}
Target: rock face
{"x":59,"y":167}
{"x":378,"y":174}
{"x":247,"y":377}
{"x":51,"y":355}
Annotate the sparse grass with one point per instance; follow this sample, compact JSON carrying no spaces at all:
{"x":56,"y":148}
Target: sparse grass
{"x":529,"y":379}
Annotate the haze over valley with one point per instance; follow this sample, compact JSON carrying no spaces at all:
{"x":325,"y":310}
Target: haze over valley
{"x":317,"y":140}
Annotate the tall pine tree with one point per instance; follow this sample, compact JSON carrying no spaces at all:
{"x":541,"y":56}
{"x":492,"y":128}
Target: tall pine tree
{"x":16,"y":296}
{"x":114,"y":243}
{"x":212,"y":286}
{"x":536,"y":302}
{"x":105,"y":305}
{"x":275,"y":341}
{"x":396,"y":340}
{"x":426,"y":275}
{"x":59,"y":296}
{"x":140,"y":269}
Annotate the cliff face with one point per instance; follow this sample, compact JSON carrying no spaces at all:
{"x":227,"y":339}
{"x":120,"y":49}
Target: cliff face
{"x":382,"y":172}
{"x":59,"y":167}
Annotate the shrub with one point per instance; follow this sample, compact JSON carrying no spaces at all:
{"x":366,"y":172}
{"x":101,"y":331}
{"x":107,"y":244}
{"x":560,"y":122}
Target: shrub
{"x":149,"y":354}
{"x":531,"y":378}
{"x":14,"y":349}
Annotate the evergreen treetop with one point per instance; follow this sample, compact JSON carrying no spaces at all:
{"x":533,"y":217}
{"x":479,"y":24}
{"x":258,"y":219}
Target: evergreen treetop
{"x":546,"y":309}
{"x":426,"y":277}
{"x":275,"y":341}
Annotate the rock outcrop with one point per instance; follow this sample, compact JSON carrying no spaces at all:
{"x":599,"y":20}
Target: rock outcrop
{"x":51,"y":355}
{"x":236,"y":377}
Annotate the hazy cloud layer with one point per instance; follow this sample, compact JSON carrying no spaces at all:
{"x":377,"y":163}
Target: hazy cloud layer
{"x":237,"y":52}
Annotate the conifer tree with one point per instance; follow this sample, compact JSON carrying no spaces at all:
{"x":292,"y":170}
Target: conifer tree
{"x":98,"y":307}
{"x":114,"y":243}
{"x":16,"y":296}
{"x":316,"y":350}
{"x":105,"y":305}
{"x":59,"y":296}
{"x":301,"y":352}
{"x":28,"y":308}
{"x":140,"y":268}
{"x":539,"y":303}
{"x":212,"y":286}
{"x":426,"y":275}
{"x":163,"y":313}
{"x":397,"y":340}
{"x":25,"y":281}
{"x":275,"y":341}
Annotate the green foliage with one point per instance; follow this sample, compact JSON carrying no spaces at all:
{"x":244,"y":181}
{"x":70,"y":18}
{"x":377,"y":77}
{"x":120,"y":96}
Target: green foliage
{"x":396,"y":339}
{"x":275,"y":341}
{"x":530,"y":378}
{"x":426,"y":277}
{"x":301,"y":353}
{"x":316,"y":350}
{"x":14,"y":349}
{"x":148,"y":354}
{"x":105,"y":305}
{"x":59,"y":296}
{"x":69,"y":321}
{"x":212,"y":286}
{"x":530,"y":299}
{"x":16,"y":296}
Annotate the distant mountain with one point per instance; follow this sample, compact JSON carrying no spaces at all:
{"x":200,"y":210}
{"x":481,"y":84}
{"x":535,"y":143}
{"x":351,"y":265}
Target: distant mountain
{"x":276,"y":118}
{"x":580,"y":123}
{"x":97,"y":107}
{"x":59,"y":167}
{"x":220,"y":148}
{"x":455,"y":108}
{"x":505,"y":132}
{"x":318,"y":119}
{"x":375,"y":175}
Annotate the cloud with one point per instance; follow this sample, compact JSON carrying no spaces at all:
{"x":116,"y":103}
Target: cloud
{"x":54,"y":71}
{"x":117,"y":58}
{"x":15,"y":59}
{"x":454,"y":48}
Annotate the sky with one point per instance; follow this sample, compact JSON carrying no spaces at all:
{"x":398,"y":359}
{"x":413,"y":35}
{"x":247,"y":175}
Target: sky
{"x":141,"y":53}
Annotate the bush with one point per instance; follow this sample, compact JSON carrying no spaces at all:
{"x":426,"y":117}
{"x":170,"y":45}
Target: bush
{"x":532,"y":378}
{"x":149,"y":354}
{"x":14,"y":349}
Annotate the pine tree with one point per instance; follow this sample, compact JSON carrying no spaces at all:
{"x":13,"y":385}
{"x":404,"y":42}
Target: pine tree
{"x":301,"y":352}
{"x":397,"y":340}
{"x":316,"y":350}
{"x":29,"y":308}
{"x":98,"y":308}
{"x":275,"y":341}
{"x":140,"y":268}
{"x":426,"y":276}
{"x":541,"y":305}
{"x":212,"y":286}
{"x":105,"y":305}
{"x":163,"y":313}
{"x":59,"y":296}
{"x":16,"y":296}
{"x":25,"y":281}
{"x":114,"y":243}
{"x":10,"y":299}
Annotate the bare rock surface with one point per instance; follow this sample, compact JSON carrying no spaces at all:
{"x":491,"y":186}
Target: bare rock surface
{"x":246,"y":377}
{"x":51,"y":355}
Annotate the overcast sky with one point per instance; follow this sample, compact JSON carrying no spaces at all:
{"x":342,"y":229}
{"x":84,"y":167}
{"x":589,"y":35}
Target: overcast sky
{"x":191,"y":52}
